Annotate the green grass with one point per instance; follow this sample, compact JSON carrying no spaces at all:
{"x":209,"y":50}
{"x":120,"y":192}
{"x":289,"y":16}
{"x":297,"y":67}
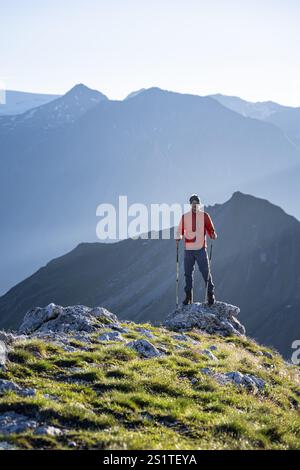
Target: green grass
{"x":107,"y":397}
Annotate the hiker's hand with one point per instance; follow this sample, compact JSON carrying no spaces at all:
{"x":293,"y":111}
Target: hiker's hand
{"x":214,"y":236}
{"x":177,"y":241}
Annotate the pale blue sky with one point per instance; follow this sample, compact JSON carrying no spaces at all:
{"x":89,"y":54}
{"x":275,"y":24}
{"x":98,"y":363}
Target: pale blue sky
{"x":248,"y":48}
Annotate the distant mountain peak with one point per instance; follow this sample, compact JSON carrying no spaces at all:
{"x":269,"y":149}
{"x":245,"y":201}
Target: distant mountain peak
{"x":83,"y":90}
{"x":240,"y":197}
{"x":80,"y":86}
{"x":134,"y":93}
{"x":63,"y":110}
{"x":146,"y":91}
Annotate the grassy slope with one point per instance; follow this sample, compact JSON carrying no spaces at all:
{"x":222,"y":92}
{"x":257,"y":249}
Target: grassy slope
{"x":115,"y":400}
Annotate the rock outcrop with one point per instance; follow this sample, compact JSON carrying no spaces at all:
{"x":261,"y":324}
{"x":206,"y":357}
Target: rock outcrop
{"x":110,"y":336}
{"x":9,"y":386}
{"x":249,"y":381}
{"x":219,"y":318}
{"x":15,"y":423}
{"x":56,"y":319}
{"x":3,"y":354}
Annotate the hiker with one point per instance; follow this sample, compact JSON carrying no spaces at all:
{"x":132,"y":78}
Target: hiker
{"x":193,"y":227}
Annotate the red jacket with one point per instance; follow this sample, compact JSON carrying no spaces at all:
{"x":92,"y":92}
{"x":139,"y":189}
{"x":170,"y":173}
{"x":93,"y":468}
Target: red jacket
{"x":194,"y":226}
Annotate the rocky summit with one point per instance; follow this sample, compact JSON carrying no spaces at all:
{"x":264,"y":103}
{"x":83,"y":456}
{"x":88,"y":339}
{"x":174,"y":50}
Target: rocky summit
{"x":219,"y":318}
{"x":77,"y":377}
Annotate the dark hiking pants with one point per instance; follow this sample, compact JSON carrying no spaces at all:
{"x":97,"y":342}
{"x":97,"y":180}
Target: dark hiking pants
{"x":190,"y":257}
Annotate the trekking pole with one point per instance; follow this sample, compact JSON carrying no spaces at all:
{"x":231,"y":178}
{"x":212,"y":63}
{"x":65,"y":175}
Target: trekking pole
{"x":208,"y":274}
{"x":177,"y":273}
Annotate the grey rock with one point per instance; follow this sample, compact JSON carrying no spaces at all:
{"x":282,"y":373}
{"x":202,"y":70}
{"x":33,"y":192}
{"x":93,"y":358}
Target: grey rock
{"x":15,"y":423}
{"x":145,"y":332}
{"x":7,"y":446}
{"x":236,"y":377}
{"x":210,"y":355}
{"x":260,"y":383}
{"x":206,"y":371}
{"x":9,"y":386}
{"x":221,"y":378}
{"x":184,"y":337}
{"x":28,"y":392}
{"x":82,"y":337}
{"x":55,"y":319}
{"x":219,"y":318}
{"x":7,"y":338}
{"x":248,"y":381}
{"x":72,"y":444}
{"x":75,"y":370}
{"x":144,"y":348}
{"x":3,"y":354}
{"x":162,"y":348}
{"x":110,"y":336}
{"x":103,"y":315}
{"x":180,"y":337}
{"x":49,"y":431}
{"x":213,"y":348}
{"x":121,"y":329}
{"x":38,"y":316}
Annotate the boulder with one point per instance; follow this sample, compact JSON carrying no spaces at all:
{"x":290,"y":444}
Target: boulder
{"x":10,"y":386}
{"x":249,"y":381}
{"x":144,"y":348}
{"x":145,"y":332}
{"x":245,"y":380}
{"x":15,"y":423}
{"x":48,"y":431}
{"x":110,"y":336}
{"x":183,"y":337}
{"x":7,"y":338}
{"x":219,"y":318}
{"x":37,"y":317}
{"x":210,"y":355}
{"x":57,"y":319}
{"x":118,"y":327}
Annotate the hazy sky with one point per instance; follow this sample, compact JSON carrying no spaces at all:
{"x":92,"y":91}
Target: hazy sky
{"x":249,"y":48}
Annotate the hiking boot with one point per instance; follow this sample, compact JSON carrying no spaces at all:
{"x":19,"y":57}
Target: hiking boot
{"x":188,"y":297}
{"x":211,"y":298}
